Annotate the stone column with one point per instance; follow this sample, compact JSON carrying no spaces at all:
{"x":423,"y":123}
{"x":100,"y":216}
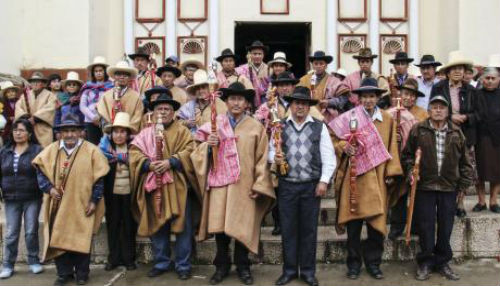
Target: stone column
{"x":331,"y":32}
{"x":213,"y":30}
{"x":128,"y":26}
{"x":170,"y":34}
{"x":373,"y":41}
{"x":413,"y":31}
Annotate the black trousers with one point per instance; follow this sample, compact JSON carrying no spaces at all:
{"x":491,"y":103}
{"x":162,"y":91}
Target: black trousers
{"x":276,"y":211}
{"x":398,"y":213}
{"x":121,"y":230}
{"x":73,"y":263}
{"x":94,"y":133}
{"x":432,"y":207}
{"x":222,"y":258}
{"x":299,"y":211}
{"x":370,"y":250}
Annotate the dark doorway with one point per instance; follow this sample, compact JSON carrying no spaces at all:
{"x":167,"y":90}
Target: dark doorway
{"x":292,"y":38}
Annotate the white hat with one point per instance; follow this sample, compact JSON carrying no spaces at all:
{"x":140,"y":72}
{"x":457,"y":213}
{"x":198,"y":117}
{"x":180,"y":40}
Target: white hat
{"x":4,"y":86}
{"x":71,"y":77}
{"x":122,"y":66}
{"x":279,"y":57}
{"x":190,"y":62}
{"x":200,"y":77}
{"x":98,"y":61}
{"x":456,"y":58}
{"x":122,"y":119}
{"x":341,"y":72}
{"x":494,"y":61}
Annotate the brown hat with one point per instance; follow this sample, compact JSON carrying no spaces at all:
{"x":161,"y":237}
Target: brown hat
{"x":365,"y":53}
{"x":411,"y":84}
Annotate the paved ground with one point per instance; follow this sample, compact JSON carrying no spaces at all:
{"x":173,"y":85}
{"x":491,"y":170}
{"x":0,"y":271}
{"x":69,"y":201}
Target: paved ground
{"x":476,"y":272}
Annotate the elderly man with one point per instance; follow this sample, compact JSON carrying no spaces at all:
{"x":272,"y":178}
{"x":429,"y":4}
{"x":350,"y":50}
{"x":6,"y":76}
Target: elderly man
{"x":121,"y":97}
{"x":236,"y":187}
{"x":256,"y":70}
{"x":188,"y":68}
{"x":168,"y":74}
{"x":301,"y":188}
{"x":445,"y":170}
{"x":161,"y":210}
{"x":461,"y":108}
{"x":428,"y":66}
{"x":228,"y":74}
{"x":146,"y":78}
{"x":70,"y":172}
{"x":377,"y":161}
{"x":40,"y":108}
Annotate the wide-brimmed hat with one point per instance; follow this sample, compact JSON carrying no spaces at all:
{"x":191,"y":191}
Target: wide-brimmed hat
{"x":401,"y":57}
{"x":279,"y":57}
{"x":140,"y":52}
{"x":122,"y":119}
{"x":37,"y":76}
{"x":121,"y":66}
{"x":341,"y":72}
{"x":166,"y":98}
{"x":191,"y":62}
{"x":428,"y":60}
{"x":369,"y":85}
{"x":156,"y":89}
{"x":365,"y":53}
{"x":72,"y":76}
{"x":237,"y":88}
{"x":439,"y":98}
{"x":320,"y":56}
{"x":285,"y":77}
{"x":200,"y":78}
{"x":456,"y":58}
{"x":412,"y":85}
{"x":301,"y":93}
{"x":69,"y":120}
{"x":226,"y":53}
{"x":257,"y":45}
{"x":6,"y":85}
{"x":168,"y":68}
{"x":494,"y":61}
{"x":98,"y":61}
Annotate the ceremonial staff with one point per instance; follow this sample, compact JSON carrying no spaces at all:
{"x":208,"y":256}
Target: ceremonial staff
{"x":212,"y":85}
{"x":398,"y":124}
{"x":157,"y":195}
{"x":411,"y":205}
{"x":25,"y":94}
{"x":353,"y":190}
{"x":276,"y":130}
{"x":117,"y":105}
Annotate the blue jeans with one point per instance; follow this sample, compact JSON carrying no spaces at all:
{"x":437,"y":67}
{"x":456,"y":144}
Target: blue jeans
{"x":183,"y":245}
{"x":14,"y":211}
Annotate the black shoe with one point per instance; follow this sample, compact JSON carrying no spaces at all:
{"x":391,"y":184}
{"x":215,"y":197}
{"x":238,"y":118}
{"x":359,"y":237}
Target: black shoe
{"x":82,"y":281}
{"x":219,"y":275}
{"x":184,"y":275}
{"x":61,"y":280}
{"x":396,"y":231}
{"x":495,"y":208}
{"x":155,"y":272}
{"x":310,"y":280}
{"x":245,"y":276}
{"x":110,"y":266}
{"x":374,"y":271}
{"x":461,"y":213}
{"x":353,"y":273}
{"x":131,"y":266}
{"x":479,"y":207}
{"x":446,"y":271}
{"x":285,"y":279}
{"x":423,"y":273}
{"x":276,"y":231}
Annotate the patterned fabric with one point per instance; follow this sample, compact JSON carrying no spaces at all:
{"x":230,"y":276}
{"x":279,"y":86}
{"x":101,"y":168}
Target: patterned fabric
{"x":373,"y":151}
{"x":440,"y":145}
{"x":407,"y":122}
{"x":228,"y":162}
{"x":91,"y":92}
{"x":258,"y":77}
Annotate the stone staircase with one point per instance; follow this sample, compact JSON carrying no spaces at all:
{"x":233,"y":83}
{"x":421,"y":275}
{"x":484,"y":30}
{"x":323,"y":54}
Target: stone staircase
{"x":475,"y":236}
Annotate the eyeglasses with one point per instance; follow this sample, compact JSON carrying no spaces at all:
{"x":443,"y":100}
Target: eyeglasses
{"x":19,"y":131}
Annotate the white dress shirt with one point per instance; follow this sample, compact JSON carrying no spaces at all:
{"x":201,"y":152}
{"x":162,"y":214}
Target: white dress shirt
{"x":69,"y":151}
{"x":425,"y":87}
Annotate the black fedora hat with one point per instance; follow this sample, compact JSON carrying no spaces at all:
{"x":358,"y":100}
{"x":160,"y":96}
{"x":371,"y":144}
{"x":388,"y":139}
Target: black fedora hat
{"x":165,"y":97}
{"x":258,"y":45}
{"x":401,"y":57}
{"x":301,"y":93}
{"x":156,"y":89}
{"x":237,"y":88}
{"x":168,"y":68}
{"x":411,"y":84}
{"x":428,"y":60}
{"x":69,"y":120}
{"x":369,"y":84}
{"x":226,"y":53}
{"x":140,"y":52}
{"x":285,"y":77}
{"x":320,"y":56}
{"x":365,"y":53}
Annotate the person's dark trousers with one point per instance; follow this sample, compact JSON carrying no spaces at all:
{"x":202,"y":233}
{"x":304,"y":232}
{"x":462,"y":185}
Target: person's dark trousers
{"x":94,"y":133}
{"x":183,"y":245}
{"x":222,"y":259}
{"x":398,"y":213}
{"x":370,"y":250}
{"x":276,"y":211}
{"x":432,"y":207}
{"x":121,"y":230}
{"x":73,"y":263}
{"x":299,"y":211}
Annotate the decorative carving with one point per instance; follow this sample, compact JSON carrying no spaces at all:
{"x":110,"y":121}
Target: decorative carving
{"x":192,"y":47}
{"x":348,"y":45}
{"x":352,"y":46}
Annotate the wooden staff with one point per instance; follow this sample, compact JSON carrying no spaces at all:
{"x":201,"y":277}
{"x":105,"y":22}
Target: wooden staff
{"x":353,"y":190}
{"x":398,"y":124}
{"x":413,"y":191}
{"x":116,"y":104}
{"x":276,"y":129}
{"x":212,"y":85}
{"x":25,"y":94}
{"x":313,"y":83}
{"x":159,"y":157}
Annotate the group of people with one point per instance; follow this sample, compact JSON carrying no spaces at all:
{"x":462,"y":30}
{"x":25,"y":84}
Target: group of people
{"x":146,"y":147}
